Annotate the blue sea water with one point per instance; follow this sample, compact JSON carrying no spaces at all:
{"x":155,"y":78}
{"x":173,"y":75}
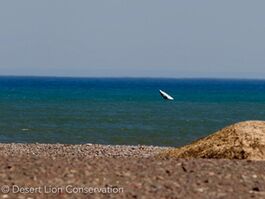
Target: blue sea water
{"x":123,"y":110}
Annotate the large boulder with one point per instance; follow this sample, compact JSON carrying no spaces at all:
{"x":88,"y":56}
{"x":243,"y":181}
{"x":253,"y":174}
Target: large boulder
{"x":244,"y":140}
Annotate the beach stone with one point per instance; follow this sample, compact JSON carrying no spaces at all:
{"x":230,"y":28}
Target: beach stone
{"x":244,"y":140}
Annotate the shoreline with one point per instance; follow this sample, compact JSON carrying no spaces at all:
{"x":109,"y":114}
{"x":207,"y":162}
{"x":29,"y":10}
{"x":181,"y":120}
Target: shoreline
{"x":80,"y":150}
{"x":136,"y":170}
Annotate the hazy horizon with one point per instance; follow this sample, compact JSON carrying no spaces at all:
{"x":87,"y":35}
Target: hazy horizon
{"x":176,"y":39}
{"x":135,"y":77}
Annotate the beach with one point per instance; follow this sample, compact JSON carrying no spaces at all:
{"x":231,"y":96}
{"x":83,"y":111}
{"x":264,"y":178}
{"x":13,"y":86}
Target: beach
{"x":104,"y":171}
{"x":132,"y":100}
{"x":106,"y":128}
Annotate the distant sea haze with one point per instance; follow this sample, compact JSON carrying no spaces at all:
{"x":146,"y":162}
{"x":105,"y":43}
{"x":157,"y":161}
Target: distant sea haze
{"x":123,"y":110}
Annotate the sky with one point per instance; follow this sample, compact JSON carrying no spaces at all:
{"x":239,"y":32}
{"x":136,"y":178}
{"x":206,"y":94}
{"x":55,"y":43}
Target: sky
{"x":133,"y":38}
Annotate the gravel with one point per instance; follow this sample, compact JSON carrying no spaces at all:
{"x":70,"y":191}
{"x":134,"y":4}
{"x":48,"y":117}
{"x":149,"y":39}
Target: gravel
{"x":135,"y":171}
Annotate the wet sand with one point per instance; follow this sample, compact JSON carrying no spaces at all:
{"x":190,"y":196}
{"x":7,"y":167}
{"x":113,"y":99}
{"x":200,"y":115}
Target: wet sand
{"x":131,"y":171}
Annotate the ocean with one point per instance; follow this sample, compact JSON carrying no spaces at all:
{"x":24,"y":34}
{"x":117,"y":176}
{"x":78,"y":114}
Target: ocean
{"x":126,"y":111}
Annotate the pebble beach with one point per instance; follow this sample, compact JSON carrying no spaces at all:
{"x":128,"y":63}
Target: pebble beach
{"x":103,"y":171}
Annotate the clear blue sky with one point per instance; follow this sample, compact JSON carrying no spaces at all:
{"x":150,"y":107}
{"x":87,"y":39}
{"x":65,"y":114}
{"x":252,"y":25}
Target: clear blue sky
{"x":146,"y":38}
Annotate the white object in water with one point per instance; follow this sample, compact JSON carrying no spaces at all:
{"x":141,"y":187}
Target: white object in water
{"x":165,"y":95}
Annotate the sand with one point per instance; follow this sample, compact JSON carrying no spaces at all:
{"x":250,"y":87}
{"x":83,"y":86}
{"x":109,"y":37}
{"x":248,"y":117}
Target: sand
{"x":133,"y":171}
{"x":243,"y":140}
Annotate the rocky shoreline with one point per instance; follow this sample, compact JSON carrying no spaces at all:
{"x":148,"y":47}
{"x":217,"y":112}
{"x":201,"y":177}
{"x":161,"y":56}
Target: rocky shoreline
{"x":229,"y":168}
{"x":136,"y":171}
{"x":80,"y":151}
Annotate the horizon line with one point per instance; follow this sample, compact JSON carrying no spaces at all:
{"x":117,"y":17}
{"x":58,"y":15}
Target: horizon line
{"x":134,"y":77}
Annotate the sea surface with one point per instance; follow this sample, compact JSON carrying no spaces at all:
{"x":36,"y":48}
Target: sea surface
{"x":123,"y":110}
